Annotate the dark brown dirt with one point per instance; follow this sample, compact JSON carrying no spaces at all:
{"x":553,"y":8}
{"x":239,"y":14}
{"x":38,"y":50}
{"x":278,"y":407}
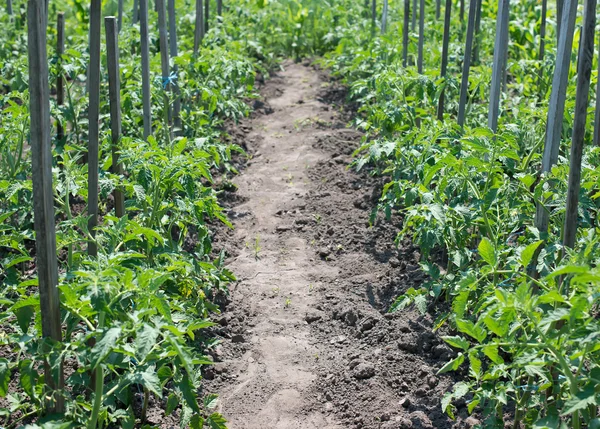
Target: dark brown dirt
{"x":306,"y":341}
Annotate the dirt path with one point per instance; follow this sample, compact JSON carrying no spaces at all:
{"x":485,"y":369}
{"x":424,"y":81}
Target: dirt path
{"x":306,"y":342}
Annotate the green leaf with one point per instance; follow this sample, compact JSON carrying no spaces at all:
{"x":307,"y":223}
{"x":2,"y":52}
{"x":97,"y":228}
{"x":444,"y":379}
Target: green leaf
{"x":145,"y":341}
{"x":487,"y":251}
{"x":474,"y":365}
{"x":469,"y":328}
{"x":447,"y":404}
{"x":24,"y":316}
{"x":196,"y":422}
{"x":491,"y":352}
{"x":453,"y":365}
{"x":217,"y":421}
{"x":528,"y":253}
{"x":457,"y":342}
{"x":210,"y":401}
{"x":188,"y":392}
{"x":4,"y":377}
{"x":148,"y":379}
{"x":581,"y":400}
{"x":172,"y":403}
{"x":496,"y":326}
{"x":104,"y":347}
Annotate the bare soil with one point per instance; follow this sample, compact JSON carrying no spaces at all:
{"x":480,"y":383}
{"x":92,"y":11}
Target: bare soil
{"x":306,"y":341}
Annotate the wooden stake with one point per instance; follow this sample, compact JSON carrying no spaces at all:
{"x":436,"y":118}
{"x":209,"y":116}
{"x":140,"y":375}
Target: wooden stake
{"x":199,"y":27}
{"x":462,"y":10}
{"x":542,"y":51}
{"x":373,"y":16}
{"x":584,"y":73}
{"x":477,"y":34}
{"x":500,"y":46}
{"x":94,"y":118}
{"x":220,"y":7}
{"x":556,"y":110}
{"x":405,"y":33}
{"x":438,"y":7}
{"x":43,"y":194}
{"x":445,"y":43}
{"x":136,"y":11}
{"x":114,"y":94}
{"x":60,"y":87}
{"x":414,"y":16}
{"x":146,"y":100}
{"x":597,"y":112}
{"x":121,"y":14}
{"x":164,"y":54}
{"x":206,"y":15}
{"x":464,"y":86}
{"x":560,"y":5}
{"x":421,"y":36}
{"x":9,"y":7}
{"x":174,"y":54}
{"x":384,"y":17}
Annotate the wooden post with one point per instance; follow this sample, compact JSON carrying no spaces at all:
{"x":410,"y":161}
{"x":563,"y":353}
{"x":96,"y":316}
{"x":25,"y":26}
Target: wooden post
{"x":556,"y":110}
{"x":199,"y":27}
{"x":500,"y":46}
{"x":9,"y":7}
{"x":446,"y":41}
{"x":43,"y":194}
{"x":560,"y":5}
{"x":373,"y":16}
{"x":120,"y":14}
{"x":146,"y":100}
{"x":136,"y":11}
{"x":164,"y":54}
{"x":584,"y":72}
{"x":405,"y":30}
{"x":60,"y":87}
{"x":464,"y":86}
{"x":114,"y":95}
{"x":597,"y":112}
{"x":542,"y":51}
{"x":94,"y":118}
{"x":414,"y":16}
{"x":421,"y":36}
{"x":220,"y":7}
{"x":477,"y":33}
{"x":438,"y":6}
{"x":206,"y":15}
{"x":384,"y":17}
{"x":462,"y":10}
{"x":174,"y":54}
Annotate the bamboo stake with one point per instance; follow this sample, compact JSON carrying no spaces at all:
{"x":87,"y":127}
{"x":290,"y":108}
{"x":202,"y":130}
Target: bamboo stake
{"x":43,"y":195}
{"x":146,"y":100}
{"x":446,"y":41}
{"x":60,"y":87}
{"x":464,"y":86}
{"x":199,"y":27}
{"x":114,"y":94}
{"x":384,"y":17}
{"x":94,"y":117}
{"x":584,"y":73}
{"x":174,"y":54}
{"x":164,"y":54}
{"x":556,"y":109}
{"x":405,"y":33}
{"x":500,"y":46}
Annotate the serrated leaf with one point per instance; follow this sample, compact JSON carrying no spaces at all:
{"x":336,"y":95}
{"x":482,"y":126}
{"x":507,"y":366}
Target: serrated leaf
{"x":196,"y":422}
{"x":491,"y":352}
{"x":172,"y":404}
{"x":145,"y":341}
{"x":453,"y":365}
{"x":495,"y":326}
{"x":457,"y":342}
{"x":528,"y":253}
{"x":210,"y":401}
{"x":24,"y":316}
{"x":472,"y":330}
{"x":217,"y":421}
{"x":487,"y":251}
{"x":581,"y":400}
{"x":104,"y":346}
{"x":148,"y":379}
{"x":4,"y":377}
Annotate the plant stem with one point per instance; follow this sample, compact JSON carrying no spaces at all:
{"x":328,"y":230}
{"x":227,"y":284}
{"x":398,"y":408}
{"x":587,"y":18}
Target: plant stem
{"x":99,"y":385}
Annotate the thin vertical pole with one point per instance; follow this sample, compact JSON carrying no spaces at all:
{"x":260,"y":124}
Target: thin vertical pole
{"x":477,"y":34}
{"x":500,"y":46}
{"x":94,"y":118}
{"x":462,"y":10}
{"x":145,"y":68}
{"x":121,"y":14}
{"x":114,"y":95}
{"x":405,"y":33}
{"x":199,"y":27}
{"x":542,"y":51}
{"x":556,"y":110}
{"x":421,"y":36}
{"x":584,"y":73}
{"x":9,"y":7}
{"x":206,"y":15}
{"x":373,"y":16}
{"x":174,"y":54}
{"x":220,"y":7}
{"x":414,"y":15}
{"x":464,"y":86}
{"x":43,"y":194}
{"x":136,"y":11}
{"x":164,"y":54}
{"x":60,"y":87}
{"x":384,"y":17}
{"x":597,"y":112}
{"x":445,"y":43}
{"x":560,"y":5}
{"x":438,"y":7}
